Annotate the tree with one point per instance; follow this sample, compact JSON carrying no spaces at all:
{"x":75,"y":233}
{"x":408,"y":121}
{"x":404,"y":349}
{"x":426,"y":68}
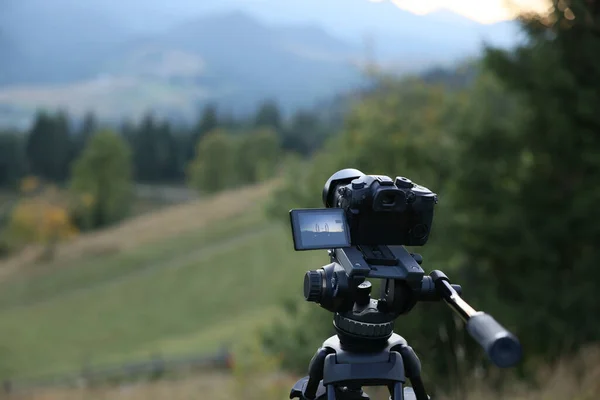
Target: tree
{"x":268,"y":116}
{"x":104,"y":172}
{"x":12,"y":158}
{"x":304,"y":135}
{"x":145,"y":148}
{"x":170,"y":157}
{"x":208,"y":122}
{"x":127,"y":130}
{"x":213,"y":168}
{"x":89,"y":126}
{"x":526,"y":197}
{"x":154,"y":151}
{"x":257,"y":156}
{"x":81,"y":136}
{"x":48,"y":146}
{"x":229,"y":122}
{"x":182,"y":145}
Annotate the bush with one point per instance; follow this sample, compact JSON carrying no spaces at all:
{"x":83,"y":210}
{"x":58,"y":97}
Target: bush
{"x":43,"y":219}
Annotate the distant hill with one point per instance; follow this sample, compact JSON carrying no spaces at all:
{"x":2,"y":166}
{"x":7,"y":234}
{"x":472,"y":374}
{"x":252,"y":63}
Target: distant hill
{"x":93,"y":57}
{"x":231,"y":59}
{"x":54,"y":43}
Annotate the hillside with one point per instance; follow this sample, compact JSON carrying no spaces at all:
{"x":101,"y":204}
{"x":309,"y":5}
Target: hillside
{"x":183,"y":280}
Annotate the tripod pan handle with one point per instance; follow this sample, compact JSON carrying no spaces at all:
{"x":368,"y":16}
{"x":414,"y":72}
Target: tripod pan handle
{"x":501,"y":346}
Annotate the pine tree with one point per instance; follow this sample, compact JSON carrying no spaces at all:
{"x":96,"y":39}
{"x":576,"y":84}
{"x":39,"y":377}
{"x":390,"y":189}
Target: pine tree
{"x":268,"y":116}
{"x":208,"y":122}
{"x":48,"y":146}
{"x":12,"y":158}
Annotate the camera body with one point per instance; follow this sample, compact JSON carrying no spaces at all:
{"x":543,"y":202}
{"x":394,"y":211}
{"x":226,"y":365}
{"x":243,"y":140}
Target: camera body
{"x":381,"y":211}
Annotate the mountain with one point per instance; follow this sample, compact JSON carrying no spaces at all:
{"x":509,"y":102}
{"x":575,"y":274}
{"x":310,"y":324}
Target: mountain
{"x":350,"y":20}
{"x":240,"y":61}
{"x":230,"y":59}
{"x":58,"y":44}
{"x":124,"y":59}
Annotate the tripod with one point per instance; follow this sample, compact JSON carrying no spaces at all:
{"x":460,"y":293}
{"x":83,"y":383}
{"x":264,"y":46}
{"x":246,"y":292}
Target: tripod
{"x":340,"y":374}
{"x":365,"y":351}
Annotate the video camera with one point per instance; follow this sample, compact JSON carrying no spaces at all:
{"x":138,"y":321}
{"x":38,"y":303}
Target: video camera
{"x":367,"y":221}
{"x":366,"y":210}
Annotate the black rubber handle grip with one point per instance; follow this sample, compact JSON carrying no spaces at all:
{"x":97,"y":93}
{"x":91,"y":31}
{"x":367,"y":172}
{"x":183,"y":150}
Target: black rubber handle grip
{"x":501,"y":346}
{"x":430,"y":293}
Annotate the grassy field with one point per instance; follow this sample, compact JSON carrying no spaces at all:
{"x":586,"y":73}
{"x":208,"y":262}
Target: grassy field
{"x":213,"y":386}
{"x":573,"y":379}
{"x":187,"y":279}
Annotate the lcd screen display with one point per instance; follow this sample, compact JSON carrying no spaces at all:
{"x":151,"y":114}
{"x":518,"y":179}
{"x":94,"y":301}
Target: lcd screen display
{"x":319,"y":228}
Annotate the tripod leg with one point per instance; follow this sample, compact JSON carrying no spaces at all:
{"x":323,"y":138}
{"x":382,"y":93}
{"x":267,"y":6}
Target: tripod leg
{"x":315,"y":373}
{"x":412,"y":367}
{"x":398,"y":391}
{"x":330,"y":392}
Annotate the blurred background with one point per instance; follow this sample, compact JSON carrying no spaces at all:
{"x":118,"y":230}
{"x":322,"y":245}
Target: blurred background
{"x":150,"y":152}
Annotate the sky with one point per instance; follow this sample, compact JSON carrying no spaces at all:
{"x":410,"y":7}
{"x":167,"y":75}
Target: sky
{"x":483,"y":11}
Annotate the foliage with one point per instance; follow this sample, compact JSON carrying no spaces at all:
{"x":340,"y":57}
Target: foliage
{"x":293,"y":338}
{"x":305,"y":133}
{"x":268,"y":116}
{"x":224,"y":160}
{"x":89,"y":126}
{"x":257,"y":375}
{"x":156,"y":157}
{"x":38,"y":221}
{"x":48,"y":146}
{"x":102,"y":174}
{"x":12,"y":158}
{"x":42,"y":218}
{"x":161,"y":149}
{"x":257,"y":156}
{"x":303,"y":182}
{"x":527,"y":199}
{"x":213,"y":169}
{"x":514,"y":158}
{"x":208,"y":122}
{"x":400,"y":128}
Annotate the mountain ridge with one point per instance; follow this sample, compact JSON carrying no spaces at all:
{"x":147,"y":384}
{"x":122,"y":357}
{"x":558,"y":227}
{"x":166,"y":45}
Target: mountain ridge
{"x":236,"y":58}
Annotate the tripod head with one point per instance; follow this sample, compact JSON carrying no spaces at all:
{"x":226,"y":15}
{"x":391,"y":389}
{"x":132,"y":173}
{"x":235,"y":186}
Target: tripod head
{"x":365,"y":324}
{"x":368,"y":222}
